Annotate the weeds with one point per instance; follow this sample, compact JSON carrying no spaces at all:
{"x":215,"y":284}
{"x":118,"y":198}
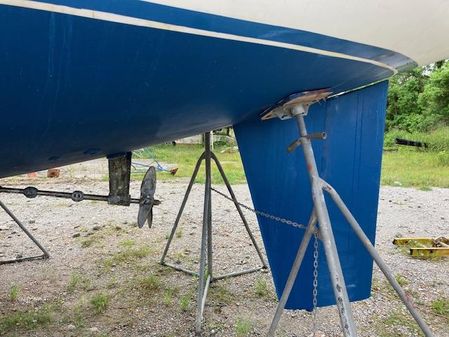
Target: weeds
{"x":441,"y":307}
{"x":127,"y":243}
{"x":99,"y":302}
{"x":169,"y":294}
{"x":127,"y":255}
{"x":184,"y":302}
{"x":398,"y":324}
{"x":14,"y":292}
{"x":78,"y":281}
{"x":87,"y":242}
{"x":401,"y":280}
{"x":150,"y":283}
{"x":261,"y":287}
{"x":243,"y":327}
{"x":220,"y":293}
{"x":78,"y":317}
{"x":26,"y":320}
{"x":179,"y":233}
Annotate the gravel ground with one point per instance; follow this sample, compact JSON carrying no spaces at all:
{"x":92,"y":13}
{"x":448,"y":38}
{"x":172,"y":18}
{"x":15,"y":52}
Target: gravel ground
{"x":97,"y":249}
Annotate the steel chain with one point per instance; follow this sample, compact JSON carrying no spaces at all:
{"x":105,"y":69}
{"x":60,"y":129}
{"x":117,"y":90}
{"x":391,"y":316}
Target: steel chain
{"x":265,"y":215}
{"x":315,"y":250}
{"x":315,"y":282}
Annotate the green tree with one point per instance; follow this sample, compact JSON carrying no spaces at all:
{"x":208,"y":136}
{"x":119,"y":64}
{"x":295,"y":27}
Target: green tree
{"x":403,"y":110}
{"x":434,"y":100}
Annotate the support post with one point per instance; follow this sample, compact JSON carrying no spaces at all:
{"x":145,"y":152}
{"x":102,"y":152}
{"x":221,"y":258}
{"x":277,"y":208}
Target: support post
{"x":293,"y":273}
{"x":326,"y":234}
{"x":321,"y":215}
{"x":44,"y":255}
{"x":376,"y":257}
{"x":206,"y":273}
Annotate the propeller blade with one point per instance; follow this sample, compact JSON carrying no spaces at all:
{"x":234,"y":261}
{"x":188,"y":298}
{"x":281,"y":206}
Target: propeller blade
{"x":147,"y":191}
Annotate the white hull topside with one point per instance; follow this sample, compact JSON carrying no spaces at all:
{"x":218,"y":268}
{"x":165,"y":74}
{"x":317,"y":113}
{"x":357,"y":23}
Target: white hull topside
{"x":417,"y":29}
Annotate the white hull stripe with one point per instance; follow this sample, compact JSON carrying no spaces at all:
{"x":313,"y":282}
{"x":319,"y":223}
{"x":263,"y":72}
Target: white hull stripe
{"x":105,"y":16}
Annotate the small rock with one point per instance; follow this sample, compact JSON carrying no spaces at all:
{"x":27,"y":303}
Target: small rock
{"x":71,"y":327}
{"x":76,"y":235}
{"x":96,"y":228}
{"x":32,"y":222}
{"x":93,"y":329}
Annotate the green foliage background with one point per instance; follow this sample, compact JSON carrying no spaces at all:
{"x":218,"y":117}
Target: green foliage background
{"x":418,"y":100}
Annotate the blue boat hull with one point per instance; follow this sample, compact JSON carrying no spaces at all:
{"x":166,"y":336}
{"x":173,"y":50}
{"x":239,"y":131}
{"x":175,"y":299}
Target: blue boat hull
{"x":74,"y":88}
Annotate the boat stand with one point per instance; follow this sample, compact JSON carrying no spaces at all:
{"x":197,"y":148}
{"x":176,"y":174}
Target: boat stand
{"x":206,"y":274}
{"x":44,"y":254}
{"x":298,"y":109}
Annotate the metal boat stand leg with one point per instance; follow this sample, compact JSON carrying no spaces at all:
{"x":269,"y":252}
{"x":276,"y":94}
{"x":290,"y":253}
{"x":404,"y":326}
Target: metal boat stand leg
{"x":178,"y":217}
{"x":45,"y":254}
{"x":293,"y":273}
{"x":326,"y":234}
{"x":239,"y":210}
{"x":206,"y":240}
{"x":375,"y":255}
{"x":206,"y":273}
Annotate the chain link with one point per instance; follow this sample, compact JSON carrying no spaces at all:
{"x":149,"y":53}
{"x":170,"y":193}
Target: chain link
{"x":315,"y":250}
{"x":265,"y":215}
{"x":315,"y":282}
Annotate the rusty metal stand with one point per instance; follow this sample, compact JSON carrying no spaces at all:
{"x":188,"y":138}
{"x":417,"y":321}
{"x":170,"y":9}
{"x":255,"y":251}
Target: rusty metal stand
{"x":44,"y":255}
{"x":206,"y":275}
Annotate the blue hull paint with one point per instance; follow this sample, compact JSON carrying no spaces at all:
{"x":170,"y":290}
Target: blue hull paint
{"x":215,"y":23}
{"x":74,"y":89}
{"x":349,"y":159}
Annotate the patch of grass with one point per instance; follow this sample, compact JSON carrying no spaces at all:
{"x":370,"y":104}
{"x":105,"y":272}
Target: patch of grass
{"x":128,"y":243}
{"x":441,"y":307}
{"x":150,"y":283}
{"x":401,"y":280}
{"x":179,"y":233}
{"x":99,"y":302}
{"x":169,"y":294}
{"x":78,"y":317}
{"x":126,"y":256}
{"x":14,"y":292}
{"x":78,"y":281}
{"x":185,"y":157}
{"x":184,"y":302}
{"x":416,"y":167}
{"x":412,"y":168}
{"x":25,"y":320}
{"x":112,"y":283}
{"x":87,"y":242}
{"x":243,"y":327}
{"x":261,"y":287}
{"x":220,"y":293}
{"x":397,"y":324}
